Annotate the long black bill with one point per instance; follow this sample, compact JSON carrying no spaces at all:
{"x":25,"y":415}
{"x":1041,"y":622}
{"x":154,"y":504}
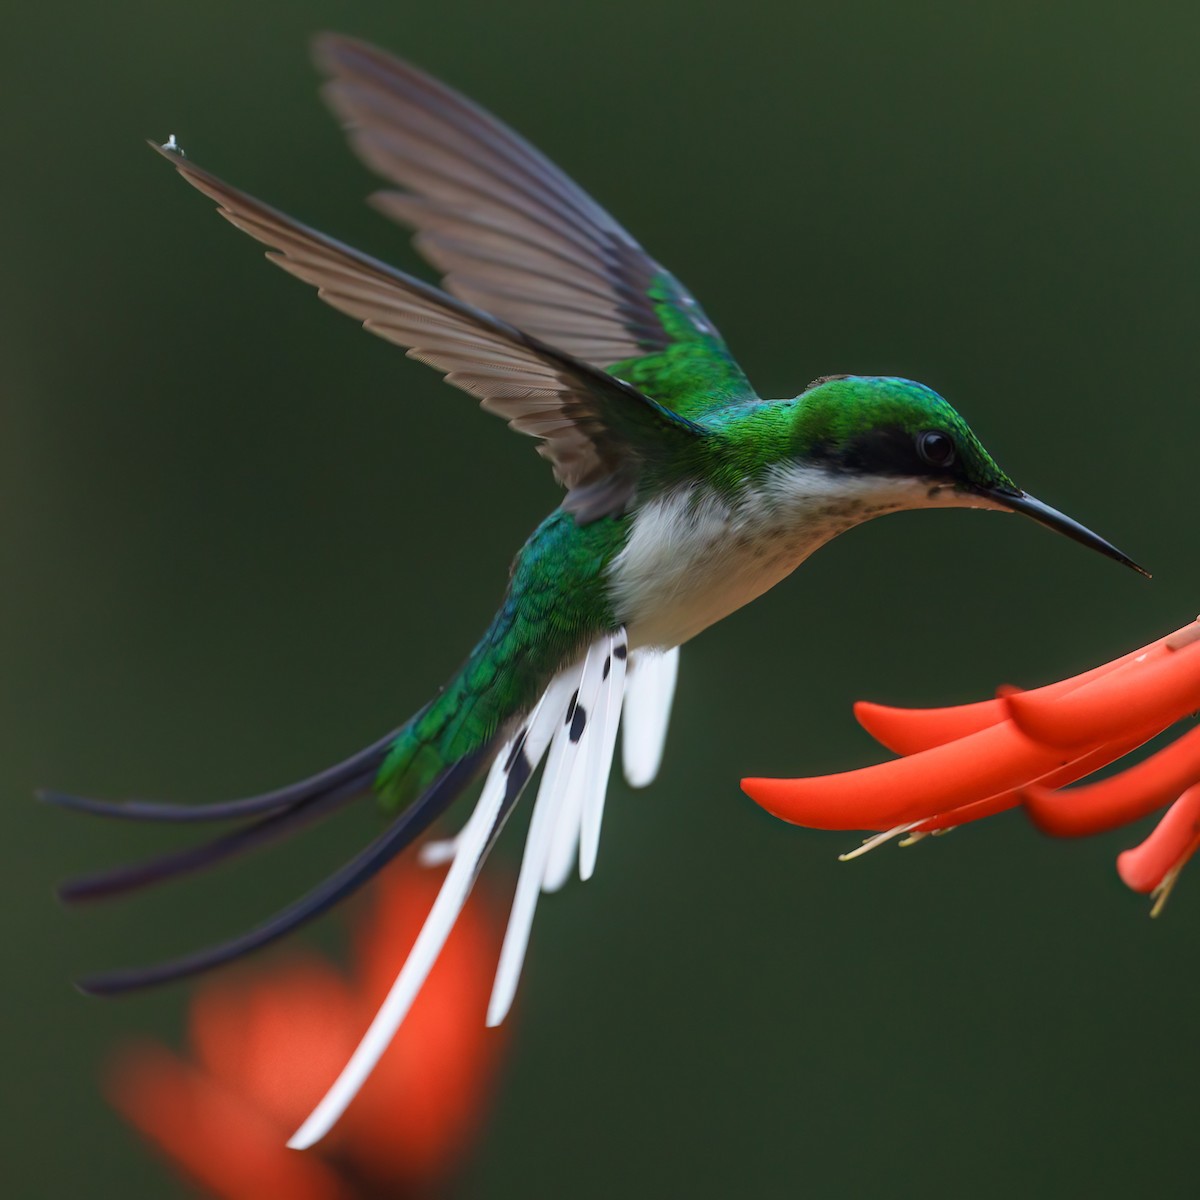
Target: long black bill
{"x":1022,"y":502}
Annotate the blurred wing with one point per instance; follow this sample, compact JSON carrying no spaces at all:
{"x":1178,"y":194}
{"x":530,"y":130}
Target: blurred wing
{"x":513,"y":235}
{"x":596,"y":430}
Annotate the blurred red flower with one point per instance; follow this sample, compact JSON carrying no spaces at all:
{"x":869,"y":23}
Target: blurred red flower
{"x":974,"y":760}
{"x":265,"y":1047}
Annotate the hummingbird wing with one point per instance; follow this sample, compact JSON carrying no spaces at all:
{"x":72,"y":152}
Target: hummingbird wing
{"x":513,"y":235}
{"x":596,"y":430}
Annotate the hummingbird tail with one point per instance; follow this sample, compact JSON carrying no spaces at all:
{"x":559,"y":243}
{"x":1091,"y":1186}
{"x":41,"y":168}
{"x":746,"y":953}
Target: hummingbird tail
{"x":418,"y":771}
{"x":573,"y":726}
{"x":268,"y":817}
{"x":418,"y":778}
{"x":364,"y":763}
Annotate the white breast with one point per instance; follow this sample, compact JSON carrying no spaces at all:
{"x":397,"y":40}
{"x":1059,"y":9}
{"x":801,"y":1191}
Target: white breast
{"x":694,"y":556}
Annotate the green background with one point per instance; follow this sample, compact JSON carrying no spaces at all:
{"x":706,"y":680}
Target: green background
{"x":225,"y":512}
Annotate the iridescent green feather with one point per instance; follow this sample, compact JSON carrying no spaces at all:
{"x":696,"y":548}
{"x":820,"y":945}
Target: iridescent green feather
{"x":557,"y":601}
{"x":694,"y":373}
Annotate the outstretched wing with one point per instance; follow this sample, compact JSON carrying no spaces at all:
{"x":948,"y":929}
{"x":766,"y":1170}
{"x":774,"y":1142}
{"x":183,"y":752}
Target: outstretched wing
{"x":596,"y":430}
{"x":514,"y":235}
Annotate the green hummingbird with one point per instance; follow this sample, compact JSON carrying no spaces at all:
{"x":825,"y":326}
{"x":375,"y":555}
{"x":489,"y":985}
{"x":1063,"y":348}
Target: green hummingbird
{"x":686,"y":496}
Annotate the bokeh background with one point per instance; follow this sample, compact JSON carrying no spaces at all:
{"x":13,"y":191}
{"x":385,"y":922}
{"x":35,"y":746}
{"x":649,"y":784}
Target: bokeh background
{"x":239,"y":539}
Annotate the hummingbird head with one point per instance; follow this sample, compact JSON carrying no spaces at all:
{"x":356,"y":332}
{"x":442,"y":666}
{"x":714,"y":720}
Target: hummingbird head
{"x":904,"y":434}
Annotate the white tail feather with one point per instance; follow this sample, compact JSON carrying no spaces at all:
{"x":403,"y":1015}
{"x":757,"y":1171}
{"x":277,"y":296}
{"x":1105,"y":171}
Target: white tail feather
{"x":429,"y":943}
{"x":546,"y":811}
{"x":565,"y":775}
{"x":648,"y":695}
{"x":440,"y":852}
{"x":604,"y":742}
{"x":564,"y":847}
{"x":471,"y":847}
{"x":565,"y":825}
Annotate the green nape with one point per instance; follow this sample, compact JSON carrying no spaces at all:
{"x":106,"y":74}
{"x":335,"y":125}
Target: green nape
{"x":555,"y":604}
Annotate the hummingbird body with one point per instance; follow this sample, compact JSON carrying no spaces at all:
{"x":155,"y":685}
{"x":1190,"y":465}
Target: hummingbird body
{"x":712,"y":536}
{"x":687,"y":496}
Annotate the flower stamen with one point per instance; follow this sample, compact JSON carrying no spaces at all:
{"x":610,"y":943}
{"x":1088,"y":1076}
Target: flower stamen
{"x":879,"y":839}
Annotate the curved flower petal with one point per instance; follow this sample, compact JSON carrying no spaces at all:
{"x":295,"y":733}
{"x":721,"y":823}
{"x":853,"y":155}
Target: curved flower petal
{"x":1134,"y":793}
{"x":1156,"y":862}
{"x":1084,"y":765}
{"x":1157,"y":687}
{"x":245,"y":1031}
{"x":975,"y":811}
{"x":910,"y":730}
{"x":268,"y":1044}
{"x":427,"y":1097}
{"x":219,"y":1138}
{"x":918,"y":787}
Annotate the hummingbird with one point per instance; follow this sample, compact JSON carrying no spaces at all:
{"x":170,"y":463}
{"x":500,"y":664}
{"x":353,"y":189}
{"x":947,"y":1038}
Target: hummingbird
{"x":687,"y":496}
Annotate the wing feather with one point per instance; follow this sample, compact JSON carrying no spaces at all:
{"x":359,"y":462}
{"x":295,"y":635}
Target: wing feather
{"x":513,"y":234}
{"x":596,"y":430}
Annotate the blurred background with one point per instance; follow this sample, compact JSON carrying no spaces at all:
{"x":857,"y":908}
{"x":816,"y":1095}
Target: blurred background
{"x":241,"y":539}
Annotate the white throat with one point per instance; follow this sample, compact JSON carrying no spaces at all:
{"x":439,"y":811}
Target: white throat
{"x":695,"y":556}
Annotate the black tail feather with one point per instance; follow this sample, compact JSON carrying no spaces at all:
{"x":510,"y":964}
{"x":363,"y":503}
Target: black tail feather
{"x":408,"y":826}
{"x":285,"y":797}
{"x":119,"y":880}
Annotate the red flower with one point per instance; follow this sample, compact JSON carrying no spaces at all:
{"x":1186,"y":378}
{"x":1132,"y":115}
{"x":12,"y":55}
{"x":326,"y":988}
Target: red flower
{"x":960,"y":764}
{"x":266,"y":1047}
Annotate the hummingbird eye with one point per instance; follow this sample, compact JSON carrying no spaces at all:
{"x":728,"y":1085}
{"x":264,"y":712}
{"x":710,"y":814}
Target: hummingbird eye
{"x":935,"y":447}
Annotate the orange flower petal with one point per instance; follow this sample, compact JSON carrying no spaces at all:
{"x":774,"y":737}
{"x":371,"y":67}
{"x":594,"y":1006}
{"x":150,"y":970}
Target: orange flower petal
{"x":994,"y":760}
{"x":1174,"y":840}
{"x":976,"y":811}
{"x":247,"y":1032}
{"x":1084,"y":765}
{"x":269,"y":1045}
{"x":1157,"y":688}
{"x":227,"y":1145}
{"x":1134,"y":793}
{"x":910,"y":730}
{"x":424,"y":1102}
